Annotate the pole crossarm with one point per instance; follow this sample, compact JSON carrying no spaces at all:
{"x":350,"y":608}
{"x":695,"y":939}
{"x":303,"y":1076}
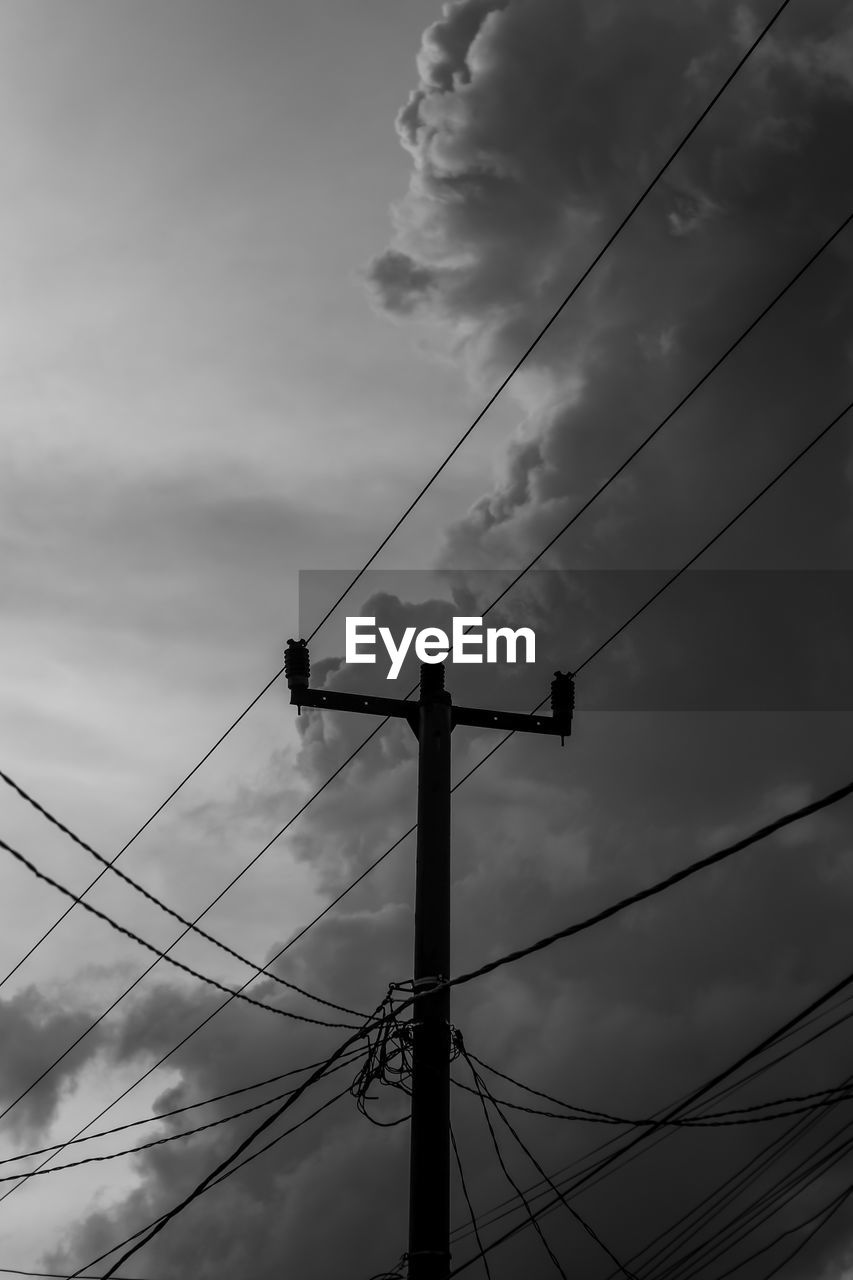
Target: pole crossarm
{"x":477,"y":717}
{"x":298,"y":668}
{"x":512,"y":721}
{"x":334,"y":700}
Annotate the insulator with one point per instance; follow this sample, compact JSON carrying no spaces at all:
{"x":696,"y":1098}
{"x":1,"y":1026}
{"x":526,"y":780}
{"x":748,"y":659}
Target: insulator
{"x":297,"y":664}
{"x":432,"y":678}
{"x":563,"y":700}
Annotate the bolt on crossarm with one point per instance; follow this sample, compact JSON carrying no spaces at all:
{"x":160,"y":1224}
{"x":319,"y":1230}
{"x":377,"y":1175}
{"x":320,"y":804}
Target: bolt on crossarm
{"x":432,"y":718}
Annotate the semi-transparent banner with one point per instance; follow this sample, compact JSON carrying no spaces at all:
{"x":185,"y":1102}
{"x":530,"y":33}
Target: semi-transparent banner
{"x":711,"y":641}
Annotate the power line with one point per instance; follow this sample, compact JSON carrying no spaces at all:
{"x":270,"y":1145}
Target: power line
{"x":744,"y":1115}
{"x":625,"y":463}
{"x":221,"y":1178}
{"x":484,"y":1092}
{"x":494,"y":749}
{"x":829,"y":1214}
{"x":782,"y":7}
{"x":566,"y":300}
{"x":220,"y":1171}
{"x":127,"y":991}
{"x":531,"y":1216}
{"x":804,"y":1123}
{"x":754,"y":1215}
{"x":471,"y":1212}
{"x":588,"y":1179}
{"x":161,"y":1115}
{"x":173,"y":1137}
{"x":807,"y":809}
{"x":651,"y":891}
{"x":145,"y":824}
{"x":730,"y":1188}
{"x":824,"y":1214}
{"x":685,"y":1104}
{"x":710,"y":1205}
{"x":56,"y":1275}
{"x":601,"y":489}
{"x":703,"y":1118}
{"x":163,"y":955}
{"x":647,"y":439}
{"x":202,"y":1186}
{"x":260,"y":971}
{"x":669,"y":582}
{"x":579,"y":282}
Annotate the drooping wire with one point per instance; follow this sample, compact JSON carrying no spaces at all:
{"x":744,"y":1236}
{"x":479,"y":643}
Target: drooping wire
{"x":399,"y":1272}
{"x":56,"y":1275}
{"x":471,"y":1212}
{"x":736,"y":1119}
{"x":531,"y":1216}
{"x":591,"y":1178}
{"x":598,"y":1172}
{"x":660,"y":886}
{"x":824,"y":1213}
{"x":836,"y":1092}
{"x":579,"y":282}
{"x":162,"y":955}
{"x":313,"y":633}
{"x":164,"y":1217}
{"x":576,"y":516}
{"x":832,"y":798}
{"x":485,"y":1094}
{"x":161,"y":1115}
{"x":387,"y":1061}
{"x":711,"y":1204}
{"x":792,"y":462}
{"x":829,"y":1213}
{"x":772,"y":1040}
{"x":144,"y":826}
{"x":127,"y":991}
{"x":753,"y":1215}
{"x":686,"y":1103}
{"x":129,"y":1088}
{"x":708,"y":1087}
{"x":496,"y":748}
{"x":260,"y":971}
{"x":464,"y":778}
{"x":230,"y":1160}
{"x":174,"y":1137}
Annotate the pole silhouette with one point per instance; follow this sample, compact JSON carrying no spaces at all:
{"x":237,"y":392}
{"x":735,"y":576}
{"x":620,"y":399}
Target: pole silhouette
{"x":432,"y":719}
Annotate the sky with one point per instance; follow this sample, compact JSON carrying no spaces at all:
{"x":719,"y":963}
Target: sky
{"x":262,"y":265}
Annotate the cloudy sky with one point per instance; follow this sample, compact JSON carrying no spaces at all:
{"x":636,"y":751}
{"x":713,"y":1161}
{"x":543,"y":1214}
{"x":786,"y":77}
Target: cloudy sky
{"x":262,"y":264}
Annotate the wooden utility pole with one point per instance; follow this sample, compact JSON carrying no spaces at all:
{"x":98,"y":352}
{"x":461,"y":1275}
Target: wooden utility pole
{"x":432,"y":719}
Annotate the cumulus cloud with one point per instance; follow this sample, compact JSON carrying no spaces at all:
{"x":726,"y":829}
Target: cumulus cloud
{"x":533,"y":127}
{"x":523,"y":165}
{"x":34,"y":1032}
{"x":399,"y":282}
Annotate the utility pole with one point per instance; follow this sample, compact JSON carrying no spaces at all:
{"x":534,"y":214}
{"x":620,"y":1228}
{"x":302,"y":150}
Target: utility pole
{"x":432,"y":719}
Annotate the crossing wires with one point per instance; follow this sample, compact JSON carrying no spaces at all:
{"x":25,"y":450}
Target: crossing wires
{"x":585,"y":274}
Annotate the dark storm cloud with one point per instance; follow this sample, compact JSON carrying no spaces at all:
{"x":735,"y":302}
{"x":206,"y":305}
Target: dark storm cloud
{"x":522,"y":170}
{"x":399,"y":282}
{"x":533,"y":127}
{"x":33,"y":1032}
